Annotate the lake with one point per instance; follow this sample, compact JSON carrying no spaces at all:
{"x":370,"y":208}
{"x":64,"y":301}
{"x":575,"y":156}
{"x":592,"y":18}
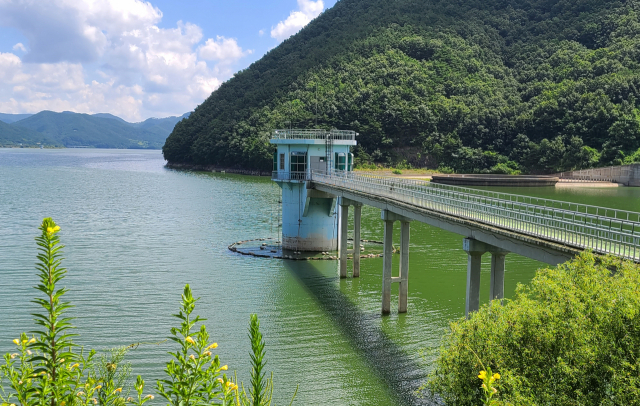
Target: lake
{"x":136,"y":233}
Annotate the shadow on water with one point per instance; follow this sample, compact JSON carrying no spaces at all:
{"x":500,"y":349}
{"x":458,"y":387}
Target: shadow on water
{"x":401,"y":373}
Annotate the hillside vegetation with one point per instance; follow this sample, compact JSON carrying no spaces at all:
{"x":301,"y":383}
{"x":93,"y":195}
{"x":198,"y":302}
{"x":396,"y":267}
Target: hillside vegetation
{"x":492,"y":85}
{"x":99,"y":130}
{"x":11,"y":136}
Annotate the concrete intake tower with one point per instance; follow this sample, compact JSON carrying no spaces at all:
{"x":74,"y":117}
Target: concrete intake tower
{"x":309,"y":220}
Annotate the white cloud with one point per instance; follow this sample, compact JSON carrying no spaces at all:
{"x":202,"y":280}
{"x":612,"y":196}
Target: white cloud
{"x":309,"y":10}
{"x":261,"y":33}
{"x":222,"y":49}
{"x":108,"y":56}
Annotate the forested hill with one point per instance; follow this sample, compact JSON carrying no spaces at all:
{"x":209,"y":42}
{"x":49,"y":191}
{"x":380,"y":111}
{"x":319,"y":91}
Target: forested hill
{"x":473,"y":85}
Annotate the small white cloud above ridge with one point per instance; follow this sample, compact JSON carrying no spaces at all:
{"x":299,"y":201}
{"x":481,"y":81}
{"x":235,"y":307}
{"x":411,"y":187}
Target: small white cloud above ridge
{"x":225,"y":50}
{"x":19,"y":47}
{"x":309,"y":10}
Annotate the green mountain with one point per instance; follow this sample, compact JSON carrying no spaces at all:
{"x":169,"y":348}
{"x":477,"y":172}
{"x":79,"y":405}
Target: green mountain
{"x":12,"y":118}
{"x":474,"y":85}
{"x":160,"y":126}
{"x":98,"y":131}
{"x":11,"y":136}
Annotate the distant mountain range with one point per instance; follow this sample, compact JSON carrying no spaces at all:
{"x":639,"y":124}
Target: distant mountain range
{"x":68,"y":129}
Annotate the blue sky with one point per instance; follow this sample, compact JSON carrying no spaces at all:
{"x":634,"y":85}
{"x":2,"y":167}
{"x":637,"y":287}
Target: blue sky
{"x":133,"y":58}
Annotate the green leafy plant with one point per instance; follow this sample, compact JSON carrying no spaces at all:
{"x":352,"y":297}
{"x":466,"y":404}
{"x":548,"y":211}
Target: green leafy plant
{"x":48,"y":372}
{"x":570,"y":337}
{"x":261,"y":389}
{"x":110,"y":374}
{"x":396,"y":172}
{"x":195,"y":376}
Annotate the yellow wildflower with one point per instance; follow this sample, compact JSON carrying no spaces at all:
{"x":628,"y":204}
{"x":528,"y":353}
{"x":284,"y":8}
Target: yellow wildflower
{"x":29,"y":352}
{"x":33,"y":340}
{"x":496,"y":376}
{"x":13,"y":356}
{"x":13,"y":404}
{"x":207,"y":353}
{"x":189,"y":340}
{"x":117,"y":390}
{"x":220,"y":380}
{"x":16,"y":341}
{"x":224,"y":368}
{"x":52,"y":230}
{"x":212,"y":346}
{"x":80,"y":393}
{"x":149,"y":397}
{"x":63,"y":403}
{"x":76,"y":365}
{"x":129,"y":399}
{"x":95,"y":401}
{"x":97,"y":387}
{"x":192,"y":357}
{"x":483,"y":375}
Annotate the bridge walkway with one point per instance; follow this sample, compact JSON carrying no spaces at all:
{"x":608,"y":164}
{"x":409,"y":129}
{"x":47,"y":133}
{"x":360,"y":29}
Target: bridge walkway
{"x":574,"y":225}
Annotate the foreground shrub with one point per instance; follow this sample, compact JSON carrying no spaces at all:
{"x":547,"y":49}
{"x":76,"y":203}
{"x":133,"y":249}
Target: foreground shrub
{"x":48,"y":369}
{"x":570,"y":337}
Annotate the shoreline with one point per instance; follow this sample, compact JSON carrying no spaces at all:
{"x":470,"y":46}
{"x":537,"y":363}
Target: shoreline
{"x":213,"y":168}
{"x":414,"y":176}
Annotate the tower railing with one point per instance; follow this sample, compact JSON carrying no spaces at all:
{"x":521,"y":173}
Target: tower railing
{"x":603,"y":230}
{"x":290,"y":175}
{"x":314,"y":134}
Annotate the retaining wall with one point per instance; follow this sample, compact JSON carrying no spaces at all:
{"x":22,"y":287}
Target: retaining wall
{"x":628,"y":175}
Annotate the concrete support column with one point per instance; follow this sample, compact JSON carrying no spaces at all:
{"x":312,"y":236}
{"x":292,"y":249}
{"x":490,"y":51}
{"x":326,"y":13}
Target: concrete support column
{"x":357,"y":216}
{"x":386,"y":266}
{"x":474,"y":250}
{"x":404,"y":267}
{"x":344,"y":224}
{"x":496,"y":289}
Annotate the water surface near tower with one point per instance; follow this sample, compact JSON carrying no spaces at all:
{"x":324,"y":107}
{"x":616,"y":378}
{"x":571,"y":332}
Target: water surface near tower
{"x":136,"y":233}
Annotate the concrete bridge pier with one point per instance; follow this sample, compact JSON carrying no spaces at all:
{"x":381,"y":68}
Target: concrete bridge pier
{"x":475,"y":249}
{"x":344,"y":228}
{"x":387,"y":275}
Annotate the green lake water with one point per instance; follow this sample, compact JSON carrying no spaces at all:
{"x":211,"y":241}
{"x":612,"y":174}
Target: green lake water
{"x":136,"y":233}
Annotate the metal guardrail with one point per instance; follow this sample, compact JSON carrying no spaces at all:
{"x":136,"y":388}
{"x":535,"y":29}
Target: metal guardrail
{"x":601,"y":229}
{"x":288,"y":175}
{"x":316,"y":134}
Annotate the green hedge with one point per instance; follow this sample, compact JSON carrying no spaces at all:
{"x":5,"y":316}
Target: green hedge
{"x":571,"y":337}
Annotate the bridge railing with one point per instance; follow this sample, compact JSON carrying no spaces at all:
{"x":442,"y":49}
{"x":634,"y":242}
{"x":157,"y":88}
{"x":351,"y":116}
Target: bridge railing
{"x":601,"y":229}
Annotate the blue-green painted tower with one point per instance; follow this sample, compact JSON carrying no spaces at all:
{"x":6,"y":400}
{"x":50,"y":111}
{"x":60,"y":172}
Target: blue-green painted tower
{"x":309,"y":221}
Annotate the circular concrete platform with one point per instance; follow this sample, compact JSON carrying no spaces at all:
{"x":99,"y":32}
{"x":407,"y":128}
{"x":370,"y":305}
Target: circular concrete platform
{"x":495,"y":180}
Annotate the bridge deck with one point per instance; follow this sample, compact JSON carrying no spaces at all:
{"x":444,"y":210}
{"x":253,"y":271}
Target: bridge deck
{"x":602,"y":230}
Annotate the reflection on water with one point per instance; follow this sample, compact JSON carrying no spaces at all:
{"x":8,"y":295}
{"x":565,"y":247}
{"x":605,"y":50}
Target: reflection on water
{"x":398,"y":370}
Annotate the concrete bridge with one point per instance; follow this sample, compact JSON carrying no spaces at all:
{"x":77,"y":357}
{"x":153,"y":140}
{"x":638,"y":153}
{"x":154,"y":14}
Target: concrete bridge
{"x":491,"y":222}
{"x":498,"y":223}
